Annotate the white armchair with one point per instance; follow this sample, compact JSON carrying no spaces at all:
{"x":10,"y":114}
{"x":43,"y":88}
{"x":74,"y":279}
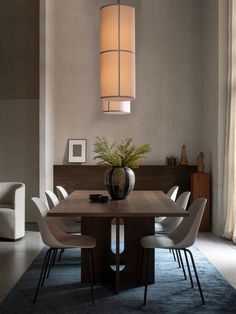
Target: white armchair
{"x":12,"y":210}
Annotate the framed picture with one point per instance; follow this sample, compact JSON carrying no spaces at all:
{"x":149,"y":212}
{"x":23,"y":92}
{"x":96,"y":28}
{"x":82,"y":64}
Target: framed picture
{"x":77,"y":150}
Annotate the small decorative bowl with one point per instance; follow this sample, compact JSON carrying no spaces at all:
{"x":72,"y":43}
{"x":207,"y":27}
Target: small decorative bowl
{"x":98,"y":198}
{"x":94,"y":197}
{"x":103,"y":199}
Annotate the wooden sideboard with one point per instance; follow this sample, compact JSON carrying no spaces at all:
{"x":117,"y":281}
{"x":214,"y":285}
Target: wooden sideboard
{"x":200,"y":187}
{"x":78,"y":177}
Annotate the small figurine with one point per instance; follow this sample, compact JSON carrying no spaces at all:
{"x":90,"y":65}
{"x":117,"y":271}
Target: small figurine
{"x":200,"y":163}
{"x":183,"y":159}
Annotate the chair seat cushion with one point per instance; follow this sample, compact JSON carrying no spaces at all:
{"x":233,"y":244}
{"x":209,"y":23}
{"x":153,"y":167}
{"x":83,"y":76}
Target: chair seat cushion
{"x":68,"y":225}
{"x":167,"y":225}
{"x":159,"y":219}
{"x":159,"y":241}
{"x":4,"y":206}
{"x":83,"y":241}
{"x":158,"y":227}
{"x":72,"y":227}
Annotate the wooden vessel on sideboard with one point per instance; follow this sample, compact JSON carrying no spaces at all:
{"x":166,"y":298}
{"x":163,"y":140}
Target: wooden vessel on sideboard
{"x":200,"y":187}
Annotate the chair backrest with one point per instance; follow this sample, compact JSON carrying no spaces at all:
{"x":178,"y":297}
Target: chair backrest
{"x":40,"y":212}
{"x":186,"y":232}
{"x":52,"y":199}
{"x":61,"y":192}
{"x":183,"y":199}
{"x":170,"y":223}
{"x":7,"y":191}
{"x":172,"y":193}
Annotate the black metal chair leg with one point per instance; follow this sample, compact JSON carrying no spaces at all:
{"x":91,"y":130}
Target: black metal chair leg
{"x":173,"y":252}
{"x":189,"y":271}
{"x":51,"y":262}
{"x":182,"y":264}
{"x":59,"y":257}
{"x":196,"y":275}
{"x":54,"y":259}
{"x":177,"y":255}
{"x":91,"y":272}
{"x":93,"y":267}
{"x":141,"y":267}
{"x":146,"y":276}
{"x":46,"y":267}
{"x":46,"y":257}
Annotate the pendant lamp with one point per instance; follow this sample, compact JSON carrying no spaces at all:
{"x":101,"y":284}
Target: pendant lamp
{"x":115,"y":107}
{"x":117,"y":57}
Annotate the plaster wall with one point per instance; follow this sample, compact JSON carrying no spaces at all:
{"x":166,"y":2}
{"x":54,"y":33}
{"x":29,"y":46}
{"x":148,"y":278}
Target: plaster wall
{"x":19,"y":96}
{"x":166,"y":111}
{"x":181,"y":74}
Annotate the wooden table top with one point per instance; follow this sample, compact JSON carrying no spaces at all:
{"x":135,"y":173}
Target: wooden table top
{"x":137,"y":204}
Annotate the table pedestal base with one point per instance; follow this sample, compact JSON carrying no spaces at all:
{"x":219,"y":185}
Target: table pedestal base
{"x":134,"y":230}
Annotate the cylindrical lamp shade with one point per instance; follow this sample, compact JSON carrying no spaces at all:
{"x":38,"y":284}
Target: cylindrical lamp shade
{"x":115,"y":107}
{"x":117,"y":53}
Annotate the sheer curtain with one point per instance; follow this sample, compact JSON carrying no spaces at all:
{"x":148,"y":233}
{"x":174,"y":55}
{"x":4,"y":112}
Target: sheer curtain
{"x":230,"y":145}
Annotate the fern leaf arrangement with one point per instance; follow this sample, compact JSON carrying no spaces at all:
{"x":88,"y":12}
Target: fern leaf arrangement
{"x":124,"y":154}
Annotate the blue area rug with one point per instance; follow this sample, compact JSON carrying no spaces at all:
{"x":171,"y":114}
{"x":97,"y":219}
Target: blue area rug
{"x":63,"y":292}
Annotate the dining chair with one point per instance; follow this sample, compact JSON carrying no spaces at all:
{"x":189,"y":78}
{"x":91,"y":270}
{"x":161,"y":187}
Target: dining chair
{"x":55,"y":239}
{"x":61,"y":192}
{"x":172,"y":193}
{"x":69,"y":225}
{"x":181,"y":238}
{"x":170,"y":223}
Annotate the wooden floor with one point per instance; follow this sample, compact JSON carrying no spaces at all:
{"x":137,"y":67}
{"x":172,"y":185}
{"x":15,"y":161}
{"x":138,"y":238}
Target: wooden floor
{"x":15,"y":257}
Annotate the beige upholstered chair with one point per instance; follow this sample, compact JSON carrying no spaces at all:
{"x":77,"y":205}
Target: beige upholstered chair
{"x":181,"y":238}
{"x":69,"y":225}
{"x":172,"y":194}
{"x":55,"y":239}
{"x":170,"y":223}
{"x":12,"y":210}
{"x":61,"y":193}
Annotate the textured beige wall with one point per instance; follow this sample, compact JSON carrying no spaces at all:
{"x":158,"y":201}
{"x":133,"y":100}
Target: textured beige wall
{"x":181,"y":52}
{"x":166,"y":111}
{"x":19,"y":160}
{"x":19,"y":95}
{"x":19,"y":49}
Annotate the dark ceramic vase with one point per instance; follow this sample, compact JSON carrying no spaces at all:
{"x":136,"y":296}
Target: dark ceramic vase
{"x":119,"y":182}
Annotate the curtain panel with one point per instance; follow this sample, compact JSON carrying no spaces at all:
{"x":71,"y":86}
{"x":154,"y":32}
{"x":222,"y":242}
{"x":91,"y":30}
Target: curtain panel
{"x":230,"y":141}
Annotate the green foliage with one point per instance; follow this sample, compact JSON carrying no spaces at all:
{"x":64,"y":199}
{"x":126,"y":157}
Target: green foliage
{"x":124,"y":154}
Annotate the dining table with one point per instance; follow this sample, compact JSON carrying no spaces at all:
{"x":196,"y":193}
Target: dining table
{"x":136,"y":214}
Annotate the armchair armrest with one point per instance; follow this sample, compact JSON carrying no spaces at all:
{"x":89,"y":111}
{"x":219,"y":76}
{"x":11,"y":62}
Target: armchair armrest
{"x":19,"y":197}
{"x":19,"y":207}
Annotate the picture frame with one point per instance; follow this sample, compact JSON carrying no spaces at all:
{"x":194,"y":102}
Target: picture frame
{"x":77,"y":150}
